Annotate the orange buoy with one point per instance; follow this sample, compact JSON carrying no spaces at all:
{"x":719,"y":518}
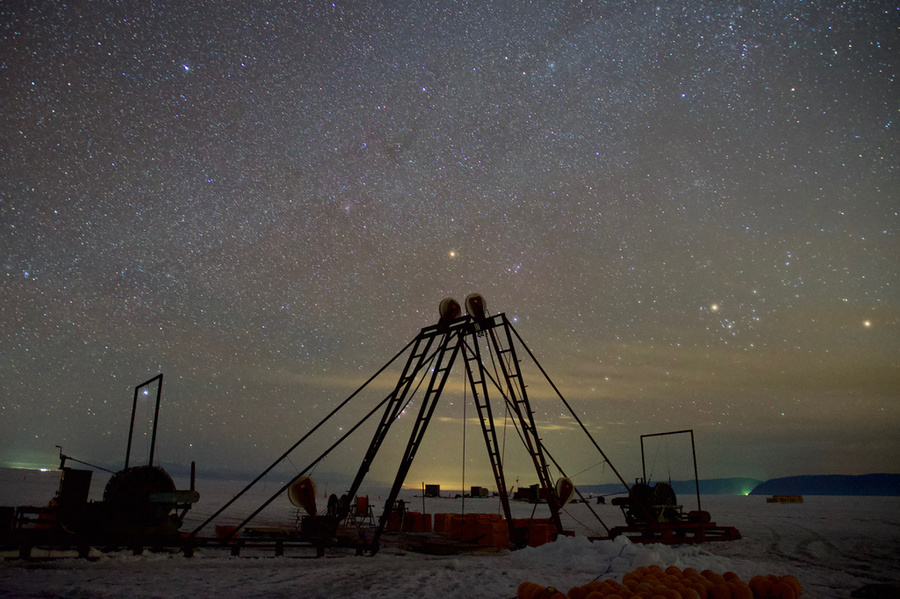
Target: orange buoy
{"x":739,"y":590}
{"x":792,"y":580}
{"x":526,"y":590}
{"x":720,"y":591}
{"x":783,"y":590}
{"x":763,"y":586}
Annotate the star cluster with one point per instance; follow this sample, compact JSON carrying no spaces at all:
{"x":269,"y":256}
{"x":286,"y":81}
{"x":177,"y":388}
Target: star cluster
{"x":691,"y":210}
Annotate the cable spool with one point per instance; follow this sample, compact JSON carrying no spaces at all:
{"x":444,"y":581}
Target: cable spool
{"x":663,"y":494}
{"x":127,"y":501}
{"x":664,"y":501}
{"x":135,"y":485}
{"x":302,"y":494}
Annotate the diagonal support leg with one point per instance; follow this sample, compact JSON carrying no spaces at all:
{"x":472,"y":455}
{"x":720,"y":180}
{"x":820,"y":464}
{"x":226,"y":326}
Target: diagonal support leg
{"x":446,"y":355}
{"x":478,"y":383}
{"x":517,"y":399}
{"x":418,"y":358}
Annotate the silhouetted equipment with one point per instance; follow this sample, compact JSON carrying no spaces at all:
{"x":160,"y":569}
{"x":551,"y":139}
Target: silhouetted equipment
{"x":652,"y":514}
{"x":491,"y":353}
{"x":362,"y":510}
{"x":489,"y":348}
{"x":648,"y":504}
{"x":137,"y":390}
{"x":140,"y":505}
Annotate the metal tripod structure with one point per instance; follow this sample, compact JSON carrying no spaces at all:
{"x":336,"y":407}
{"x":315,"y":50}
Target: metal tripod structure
{"x":461,"y":336}
{"x":434,"y":351}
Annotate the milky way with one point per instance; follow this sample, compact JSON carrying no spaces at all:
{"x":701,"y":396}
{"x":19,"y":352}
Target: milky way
{"x":690,"y":210}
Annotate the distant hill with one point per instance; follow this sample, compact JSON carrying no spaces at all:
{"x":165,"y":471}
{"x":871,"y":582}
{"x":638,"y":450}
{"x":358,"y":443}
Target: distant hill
{"x":832,"y":484}
{"x":711,"y":486}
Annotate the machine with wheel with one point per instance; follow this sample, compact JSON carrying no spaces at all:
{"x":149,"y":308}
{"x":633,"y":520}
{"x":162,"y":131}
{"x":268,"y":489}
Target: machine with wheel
{"x":141,"y":506}
{"x":653,"y":515}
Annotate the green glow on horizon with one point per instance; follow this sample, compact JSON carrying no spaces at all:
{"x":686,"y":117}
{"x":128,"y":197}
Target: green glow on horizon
{"x":25,"y":466}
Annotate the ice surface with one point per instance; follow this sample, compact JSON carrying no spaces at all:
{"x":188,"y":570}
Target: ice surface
{"x":833,"y":545}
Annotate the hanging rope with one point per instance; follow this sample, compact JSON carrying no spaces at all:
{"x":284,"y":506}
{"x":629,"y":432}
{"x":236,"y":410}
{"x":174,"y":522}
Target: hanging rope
{"x":668,"y":462}
{"x":464,"y":453}
{"x":603,"y":463}
{"x":585,"y":526}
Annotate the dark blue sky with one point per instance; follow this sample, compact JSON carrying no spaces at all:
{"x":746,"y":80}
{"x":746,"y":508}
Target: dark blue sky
{"x":690,"y":209}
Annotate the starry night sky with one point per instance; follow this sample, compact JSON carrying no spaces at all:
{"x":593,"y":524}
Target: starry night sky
{"x":690,"y":210}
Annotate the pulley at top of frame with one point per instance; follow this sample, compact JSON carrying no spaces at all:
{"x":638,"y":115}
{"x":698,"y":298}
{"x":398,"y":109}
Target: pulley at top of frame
{"x":476,"y":306}
{"x":449,"y":310}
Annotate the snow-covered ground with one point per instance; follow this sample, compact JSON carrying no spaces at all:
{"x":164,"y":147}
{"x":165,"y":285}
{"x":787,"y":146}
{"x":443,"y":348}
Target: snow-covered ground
{"x":833,"y":545}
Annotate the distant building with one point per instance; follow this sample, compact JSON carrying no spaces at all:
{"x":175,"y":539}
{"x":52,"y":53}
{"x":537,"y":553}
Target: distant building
{"x":480,"y":492}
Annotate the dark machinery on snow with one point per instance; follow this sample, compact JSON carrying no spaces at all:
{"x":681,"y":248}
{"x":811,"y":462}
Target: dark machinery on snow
{"x":489,"y":348}
{"x":648,"y":504}
{"x":141,"y":505}
{"x":652,"y":513}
